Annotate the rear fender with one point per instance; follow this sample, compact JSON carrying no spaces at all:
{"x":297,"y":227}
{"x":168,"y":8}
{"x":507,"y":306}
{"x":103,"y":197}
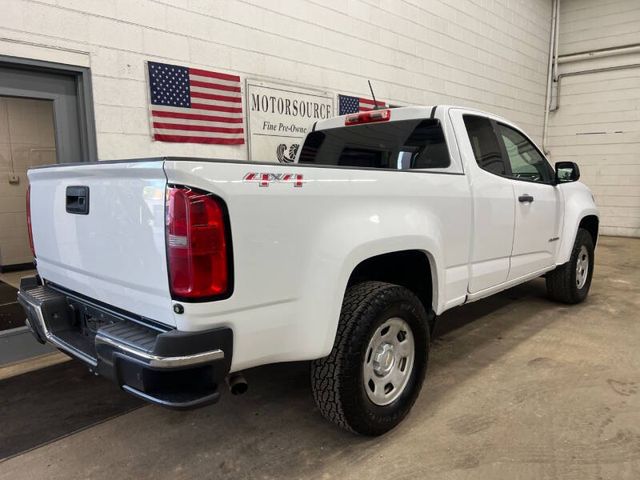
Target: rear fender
{"x":366,"y":241}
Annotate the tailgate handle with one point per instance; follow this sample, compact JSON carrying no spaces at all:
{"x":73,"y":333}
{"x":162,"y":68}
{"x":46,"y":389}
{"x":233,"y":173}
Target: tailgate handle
{"x":77,"y":200}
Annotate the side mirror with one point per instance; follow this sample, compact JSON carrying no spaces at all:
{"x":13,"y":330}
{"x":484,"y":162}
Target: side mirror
{"x":567,"y":172}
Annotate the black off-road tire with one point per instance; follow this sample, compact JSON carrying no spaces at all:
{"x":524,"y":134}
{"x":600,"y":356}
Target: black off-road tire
{"x":337,"y":380}
{"x":561,"y":282}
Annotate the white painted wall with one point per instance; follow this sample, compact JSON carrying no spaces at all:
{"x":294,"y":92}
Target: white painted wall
{"x":597,"y":124}
{"x":491,"y":55}
{"x":596,"y":24}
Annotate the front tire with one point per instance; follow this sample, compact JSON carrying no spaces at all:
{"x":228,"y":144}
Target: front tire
{"x":570,"y":283}
{"x":374,"y":373}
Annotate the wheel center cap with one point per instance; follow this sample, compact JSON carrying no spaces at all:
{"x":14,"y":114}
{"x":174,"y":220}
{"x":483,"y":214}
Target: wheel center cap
{"x":383,"y":359}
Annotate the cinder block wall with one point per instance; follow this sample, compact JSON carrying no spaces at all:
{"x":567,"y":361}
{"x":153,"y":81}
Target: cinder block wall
{"x":597,"y":123}
{"x":597,"y":24}
{"x":492,"y":55}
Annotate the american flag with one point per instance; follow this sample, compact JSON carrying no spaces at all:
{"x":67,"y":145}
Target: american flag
{"x":195,"y":106}
{"x":348,"y":104}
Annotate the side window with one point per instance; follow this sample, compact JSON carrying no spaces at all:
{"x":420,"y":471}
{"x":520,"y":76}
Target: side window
{"x":485,"y":144}
{"x":526,"y":162}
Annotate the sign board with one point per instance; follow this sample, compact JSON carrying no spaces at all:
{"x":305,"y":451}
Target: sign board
{"x":279,"y":117}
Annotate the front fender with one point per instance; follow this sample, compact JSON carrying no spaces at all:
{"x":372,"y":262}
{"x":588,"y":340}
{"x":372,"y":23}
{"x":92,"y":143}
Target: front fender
{"x":578,"y":204}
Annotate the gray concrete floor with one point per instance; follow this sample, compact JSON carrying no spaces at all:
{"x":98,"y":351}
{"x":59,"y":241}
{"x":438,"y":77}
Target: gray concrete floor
{"x":518,"y":388}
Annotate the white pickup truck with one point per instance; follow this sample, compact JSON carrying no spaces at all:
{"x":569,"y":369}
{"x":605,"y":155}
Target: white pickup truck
{"x":170,"y":275}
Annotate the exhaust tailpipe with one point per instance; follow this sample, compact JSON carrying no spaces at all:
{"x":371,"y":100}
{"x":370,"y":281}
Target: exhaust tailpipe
{"x":237,"y":383}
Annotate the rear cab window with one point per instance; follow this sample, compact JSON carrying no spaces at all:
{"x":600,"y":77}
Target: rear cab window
{"x":398,"y":145}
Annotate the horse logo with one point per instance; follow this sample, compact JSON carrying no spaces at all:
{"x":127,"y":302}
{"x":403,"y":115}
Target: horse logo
{"x":282,"y":157}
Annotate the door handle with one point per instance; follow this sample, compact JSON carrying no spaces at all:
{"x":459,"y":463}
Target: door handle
{"x":526,"y":198}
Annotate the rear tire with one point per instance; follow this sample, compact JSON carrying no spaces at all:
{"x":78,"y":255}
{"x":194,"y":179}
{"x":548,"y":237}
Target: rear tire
{"x":382,"y":345}
{"x":570,"y":283}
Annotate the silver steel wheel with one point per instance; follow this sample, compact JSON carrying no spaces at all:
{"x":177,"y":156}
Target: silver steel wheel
{"x":388,"y":361}
{"x":582,"y":267}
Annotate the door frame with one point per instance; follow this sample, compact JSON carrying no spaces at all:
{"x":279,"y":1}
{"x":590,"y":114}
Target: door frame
{"x":84,"y":95}
{"x":17,"y":344}
{"x":482,"y":268}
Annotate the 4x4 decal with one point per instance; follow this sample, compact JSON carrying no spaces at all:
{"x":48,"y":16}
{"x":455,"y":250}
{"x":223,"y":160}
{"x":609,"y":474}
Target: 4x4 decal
{"x":264,"y":179}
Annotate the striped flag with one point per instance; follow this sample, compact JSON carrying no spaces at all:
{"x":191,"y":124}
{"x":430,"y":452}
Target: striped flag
{"x":348,"y":104}
{"x":195,"y":106}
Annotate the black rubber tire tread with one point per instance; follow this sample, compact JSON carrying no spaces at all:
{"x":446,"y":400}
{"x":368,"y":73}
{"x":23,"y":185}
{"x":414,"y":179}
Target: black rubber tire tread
{"x":335,"y":384}
{"x":561,"y":282}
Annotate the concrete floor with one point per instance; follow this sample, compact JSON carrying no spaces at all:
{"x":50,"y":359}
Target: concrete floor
{"x":518,"y":388}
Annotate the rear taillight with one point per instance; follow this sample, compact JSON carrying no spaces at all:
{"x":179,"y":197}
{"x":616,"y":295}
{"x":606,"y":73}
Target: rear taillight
{"x":368,"y":117}
{"x":197,"y":245}
{"x":33,"y":250}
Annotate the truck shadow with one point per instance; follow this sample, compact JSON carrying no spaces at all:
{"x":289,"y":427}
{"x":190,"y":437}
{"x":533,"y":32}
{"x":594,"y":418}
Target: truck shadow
{"x":50,"y":403}
{"x":464,"y":315}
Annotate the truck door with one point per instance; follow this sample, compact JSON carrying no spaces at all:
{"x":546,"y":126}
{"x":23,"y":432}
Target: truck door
{"x":493,"y":200}
{"x":538,"y":204}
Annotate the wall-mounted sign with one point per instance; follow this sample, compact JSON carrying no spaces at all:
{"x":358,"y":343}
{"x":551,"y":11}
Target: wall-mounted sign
{"x":279,"y":116}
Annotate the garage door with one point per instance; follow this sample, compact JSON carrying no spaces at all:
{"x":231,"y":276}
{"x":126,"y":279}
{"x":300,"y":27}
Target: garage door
{"x":597,"y":126}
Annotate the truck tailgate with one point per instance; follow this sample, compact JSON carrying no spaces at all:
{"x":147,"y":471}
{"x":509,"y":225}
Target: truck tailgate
{"x":115,"y":253}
